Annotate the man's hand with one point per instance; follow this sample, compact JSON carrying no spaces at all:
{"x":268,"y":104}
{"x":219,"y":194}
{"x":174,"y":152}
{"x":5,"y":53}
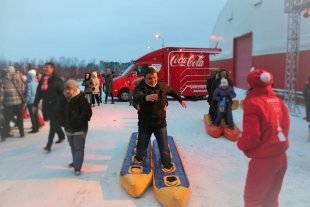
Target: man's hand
{"x":165,"y":108}
{"x":183,"y":103}
{"x":151,"y":97}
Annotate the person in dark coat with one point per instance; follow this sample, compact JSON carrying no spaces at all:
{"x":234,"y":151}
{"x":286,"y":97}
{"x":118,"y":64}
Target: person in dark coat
{"x":12,"y":99}
{"x":150,"y":99}
{"x":73,"y":113}
{"x":209,"y":86}
{"x":222,"y":73}
{"x":224,"y":95}
{"x":50,"y":89}
{"x":306,"y":92}
{"x":108,"y":79}
{"x":87,"y":87}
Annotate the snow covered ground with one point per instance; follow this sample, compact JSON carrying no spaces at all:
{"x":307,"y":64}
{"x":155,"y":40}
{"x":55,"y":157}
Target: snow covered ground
{"x":29,"y":177}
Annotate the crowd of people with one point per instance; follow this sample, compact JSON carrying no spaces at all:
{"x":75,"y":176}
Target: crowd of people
{"x":21,"y":96}
{"x":94,"y":83}
{"x":266,"y":120}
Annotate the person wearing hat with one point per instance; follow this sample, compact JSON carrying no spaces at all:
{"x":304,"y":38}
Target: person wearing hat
{"x":264,"y":140}
{"x":50,"y":89}
{"x":213,"y":85}
{"x":31,"y":89}
{"x":224,"y":95}
{"x":12,"y":100}
{"x":73,"y":113}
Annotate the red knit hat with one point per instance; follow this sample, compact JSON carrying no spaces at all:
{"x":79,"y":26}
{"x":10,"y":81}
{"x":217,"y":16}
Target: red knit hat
{"x":259,"y":78}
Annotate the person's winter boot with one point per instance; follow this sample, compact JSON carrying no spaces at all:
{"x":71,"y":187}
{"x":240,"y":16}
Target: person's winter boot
{"x":77,"y":172}
{"x":47,"y":149}
{"x":59,"y":140}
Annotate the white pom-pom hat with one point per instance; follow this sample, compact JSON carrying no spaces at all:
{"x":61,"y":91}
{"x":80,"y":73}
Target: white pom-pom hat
{"x":224,"y":82}
{"x":33,"y":72}
{"x":259,"y":78}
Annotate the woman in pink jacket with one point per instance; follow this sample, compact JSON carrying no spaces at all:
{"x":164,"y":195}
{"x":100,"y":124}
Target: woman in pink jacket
{"x":264,"y":140}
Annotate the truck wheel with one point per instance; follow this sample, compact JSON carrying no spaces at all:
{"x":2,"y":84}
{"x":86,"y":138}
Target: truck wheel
{"x":123,"y":95}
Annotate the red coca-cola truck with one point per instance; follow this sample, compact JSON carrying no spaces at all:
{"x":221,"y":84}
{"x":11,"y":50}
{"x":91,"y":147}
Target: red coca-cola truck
{"x":184,"y":69}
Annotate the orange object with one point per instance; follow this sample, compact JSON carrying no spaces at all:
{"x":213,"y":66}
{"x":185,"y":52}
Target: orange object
{"x":41,"y":119}
{"x":232,"y":134}
{"x":25,"y":113}
{"x":235,"y":104}
{"x":214,"y":131}
{"x":241,"y":104}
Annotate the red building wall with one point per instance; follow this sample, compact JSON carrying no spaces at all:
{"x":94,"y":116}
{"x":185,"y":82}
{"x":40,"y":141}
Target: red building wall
{"x":275,"y":63}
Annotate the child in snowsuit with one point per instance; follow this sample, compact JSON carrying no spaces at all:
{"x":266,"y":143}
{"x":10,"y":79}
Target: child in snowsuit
{"x":264,"y":140}
{"x":224,"y":95}
{"x":73,"y":113}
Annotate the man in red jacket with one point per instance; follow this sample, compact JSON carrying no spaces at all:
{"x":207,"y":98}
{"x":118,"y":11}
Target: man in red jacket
{"x":264,"y":140}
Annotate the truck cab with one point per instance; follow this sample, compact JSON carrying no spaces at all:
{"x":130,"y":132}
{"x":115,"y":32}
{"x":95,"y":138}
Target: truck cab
{"x":122,"y":83}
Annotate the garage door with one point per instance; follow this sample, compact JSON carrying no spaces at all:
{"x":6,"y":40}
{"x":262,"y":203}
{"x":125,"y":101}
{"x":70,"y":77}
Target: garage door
{"x":242,"y":59}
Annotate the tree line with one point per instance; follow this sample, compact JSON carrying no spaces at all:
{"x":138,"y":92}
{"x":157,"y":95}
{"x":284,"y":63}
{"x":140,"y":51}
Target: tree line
{"x":67,"y":67}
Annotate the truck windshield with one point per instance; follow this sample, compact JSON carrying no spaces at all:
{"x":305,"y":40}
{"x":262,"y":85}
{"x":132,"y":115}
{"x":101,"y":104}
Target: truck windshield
{"x":125,"y":73}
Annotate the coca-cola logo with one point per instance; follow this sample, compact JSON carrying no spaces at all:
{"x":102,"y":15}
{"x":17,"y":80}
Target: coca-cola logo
{"x":188,"y":61}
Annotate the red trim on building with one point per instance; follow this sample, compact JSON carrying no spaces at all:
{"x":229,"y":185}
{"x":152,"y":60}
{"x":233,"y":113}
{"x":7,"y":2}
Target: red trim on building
{"x":275,"y":63}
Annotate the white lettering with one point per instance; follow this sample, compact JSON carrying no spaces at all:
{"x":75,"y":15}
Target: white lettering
{"x":197,"y":86}
{"x":191,"y":61}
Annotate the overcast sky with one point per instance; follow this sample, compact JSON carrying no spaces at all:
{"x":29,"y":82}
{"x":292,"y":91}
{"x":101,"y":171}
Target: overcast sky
{"x":109,"y":30}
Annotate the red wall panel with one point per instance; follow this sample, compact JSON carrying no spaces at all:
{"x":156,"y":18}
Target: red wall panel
{"x":275,"y":63}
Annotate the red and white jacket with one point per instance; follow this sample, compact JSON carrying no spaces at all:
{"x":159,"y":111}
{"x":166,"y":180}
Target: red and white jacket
{"x":266,"y":124}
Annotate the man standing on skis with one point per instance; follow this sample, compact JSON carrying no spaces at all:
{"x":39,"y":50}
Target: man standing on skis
{"x":264,"y":140}
{"x":150,"y":99}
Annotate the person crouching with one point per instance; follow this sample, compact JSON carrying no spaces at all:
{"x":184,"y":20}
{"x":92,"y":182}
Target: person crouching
{"x":224,"y":95}
{"x":73,"y":113}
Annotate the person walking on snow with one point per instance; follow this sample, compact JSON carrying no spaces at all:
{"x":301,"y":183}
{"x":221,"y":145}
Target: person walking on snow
{"x":94,"y":84}
{"x":50,"y":89}
{"x":74,"y":113}
{"x":31,"y":89}
{"x":108,"y":79}
{"x":12,"y":100}
{"x":264,"y":140}
{"x":150,"y":99}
